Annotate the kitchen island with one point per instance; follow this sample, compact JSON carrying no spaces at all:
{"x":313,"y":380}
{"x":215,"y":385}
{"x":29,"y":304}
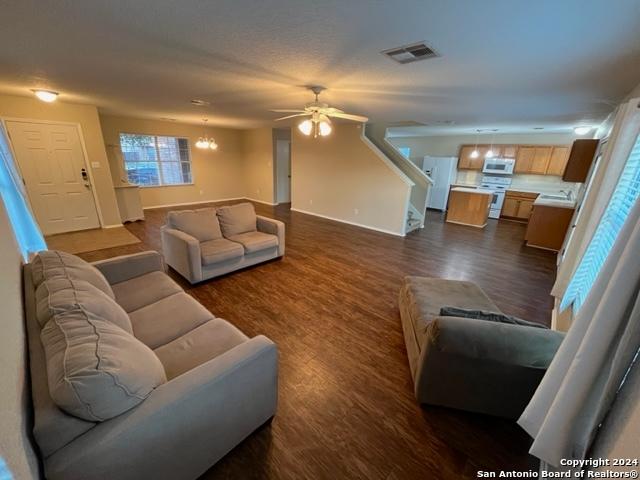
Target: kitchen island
{"x":469,"y":206}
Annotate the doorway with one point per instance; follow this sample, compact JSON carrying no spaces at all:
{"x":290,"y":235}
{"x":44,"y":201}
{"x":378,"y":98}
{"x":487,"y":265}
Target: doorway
{"x":283,"y":171}
{"x":52,"y":164}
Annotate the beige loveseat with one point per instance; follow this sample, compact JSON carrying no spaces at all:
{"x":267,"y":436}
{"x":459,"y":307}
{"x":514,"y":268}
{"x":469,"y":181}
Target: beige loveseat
{"x":131,"y":377}
{"x":208,"y":242}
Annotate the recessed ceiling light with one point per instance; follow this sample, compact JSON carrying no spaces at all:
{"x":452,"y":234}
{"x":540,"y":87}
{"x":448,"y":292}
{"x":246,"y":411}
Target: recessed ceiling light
{"x":583,"y":130}
{"x":200,"y":103}
{"x":46,"y":95}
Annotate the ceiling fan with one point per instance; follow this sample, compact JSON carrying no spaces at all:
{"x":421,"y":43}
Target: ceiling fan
{"x":320,"y":113}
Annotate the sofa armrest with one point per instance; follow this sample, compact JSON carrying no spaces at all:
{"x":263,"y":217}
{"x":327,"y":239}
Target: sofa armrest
{"x":182,"y":253}
{"x":125,"y":267}
{"x":274,"y":227}
{"x":483,"y":366}
{"x":184,"y":426}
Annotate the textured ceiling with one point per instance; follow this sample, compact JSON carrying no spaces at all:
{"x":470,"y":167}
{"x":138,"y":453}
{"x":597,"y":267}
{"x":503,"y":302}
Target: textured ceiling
{"x":510,"y":63}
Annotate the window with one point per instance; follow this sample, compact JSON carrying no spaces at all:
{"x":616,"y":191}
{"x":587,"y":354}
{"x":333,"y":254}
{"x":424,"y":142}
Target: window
{"x":152,"y":160}
{"x":405,"y":151}
{"x":624,"y":196}
{"x":14,"y":197}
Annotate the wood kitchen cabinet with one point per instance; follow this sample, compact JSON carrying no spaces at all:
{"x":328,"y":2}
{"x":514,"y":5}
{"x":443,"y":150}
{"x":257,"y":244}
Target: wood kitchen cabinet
{"x":467,"y":162}
{"x":548,"y":226}
{"x":581,"y":157}
{"x":518,"y":205}
{"x":533,"y":159}
{"x":558,"y":161}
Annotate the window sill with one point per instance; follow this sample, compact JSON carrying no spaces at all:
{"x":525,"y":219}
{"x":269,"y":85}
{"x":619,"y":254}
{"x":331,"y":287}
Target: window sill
{"x":168,"y":186}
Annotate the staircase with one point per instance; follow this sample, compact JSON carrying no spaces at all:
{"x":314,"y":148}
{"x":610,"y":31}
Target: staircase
{"x":415,"y":214}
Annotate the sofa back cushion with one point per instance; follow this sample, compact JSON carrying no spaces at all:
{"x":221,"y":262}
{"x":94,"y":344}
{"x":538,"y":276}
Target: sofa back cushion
{"x":61,"y":294}
{"x":95,"y":369}
{"x":53,"y":263}
{"x":237,"y":219}
{"x":202,"y":224}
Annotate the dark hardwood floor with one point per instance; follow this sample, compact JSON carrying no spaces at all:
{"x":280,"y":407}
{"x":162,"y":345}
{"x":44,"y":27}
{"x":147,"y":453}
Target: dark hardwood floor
{"x":346,"y":407}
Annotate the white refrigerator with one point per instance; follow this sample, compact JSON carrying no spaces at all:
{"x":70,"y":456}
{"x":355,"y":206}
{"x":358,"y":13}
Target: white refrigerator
{"x":442,"y":171}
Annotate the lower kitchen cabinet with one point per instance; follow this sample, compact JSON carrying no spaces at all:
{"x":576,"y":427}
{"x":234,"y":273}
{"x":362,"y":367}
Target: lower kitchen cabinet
{"x":548,"y":226}
{"x":518,"y":205}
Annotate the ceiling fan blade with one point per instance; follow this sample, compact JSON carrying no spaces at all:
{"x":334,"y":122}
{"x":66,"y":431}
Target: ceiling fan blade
{"x":331,"y":110}
{"x":348,"y":116}
{"x":291,"y":116}
{"x":284,"y":110}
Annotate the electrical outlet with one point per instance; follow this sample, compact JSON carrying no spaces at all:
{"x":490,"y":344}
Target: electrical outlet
{"x":310,"y":202}
{"x":356,"y":211}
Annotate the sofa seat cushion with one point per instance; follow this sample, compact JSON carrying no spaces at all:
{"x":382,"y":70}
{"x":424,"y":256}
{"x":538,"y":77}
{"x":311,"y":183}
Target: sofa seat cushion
{"x":255,"y":241}
{"x":236,"y":219}
{"x":60,"y":294}
{"x":96,"y":370}
{"x":167,"y":319}
{"x":199,"y":346}
{"x":144,"y":290}
{"x":219,"y":250}
{"x":202,"y":223}
{"x":53,"y":263}
{"x":423,"y":297}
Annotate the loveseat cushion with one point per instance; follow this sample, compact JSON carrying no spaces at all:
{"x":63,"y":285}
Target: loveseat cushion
{"x":167,"y":319}
{"x":219,"y":250}
{"x":255,"y":241}
{"x":199,"y":346}
{"x":61,"y":294}
{"x":202,"y":223}
{"x":144,"y":290}
{"x":53,"y":263}
{"x":236,"y":219}
{"x":421,"y":299}
{"x":95,"y":369}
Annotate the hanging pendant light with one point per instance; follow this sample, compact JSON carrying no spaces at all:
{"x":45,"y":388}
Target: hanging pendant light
{"x":475,"y":153}
{"x":206,"y":142}
{"x":490,"y":153}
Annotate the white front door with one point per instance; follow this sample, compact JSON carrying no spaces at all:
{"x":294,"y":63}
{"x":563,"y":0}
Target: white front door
{"x":283,"y":171}
{"x":52,"y":164}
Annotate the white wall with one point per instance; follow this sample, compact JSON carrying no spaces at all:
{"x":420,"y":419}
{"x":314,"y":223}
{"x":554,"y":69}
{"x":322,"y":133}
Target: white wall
{"x":15,"y":447}
{"x":340,"y":177}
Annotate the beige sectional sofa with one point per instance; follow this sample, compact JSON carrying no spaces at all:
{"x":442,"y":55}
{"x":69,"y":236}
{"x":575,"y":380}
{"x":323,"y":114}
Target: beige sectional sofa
{"x":208,"y":242}
{"x":131,"y":377}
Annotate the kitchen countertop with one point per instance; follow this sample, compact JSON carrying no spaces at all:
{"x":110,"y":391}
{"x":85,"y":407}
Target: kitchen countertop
{"x":477,"y":191}
{"x":552,"y":202}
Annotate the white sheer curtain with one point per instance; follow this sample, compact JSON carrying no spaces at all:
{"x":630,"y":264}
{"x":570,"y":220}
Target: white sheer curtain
{"x":588,"y":369}
{"x":621,"y":139}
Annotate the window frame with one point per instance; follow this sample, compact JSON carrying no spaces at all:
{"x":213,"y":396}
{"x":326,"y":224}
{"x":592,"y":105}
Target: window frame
{"x":157,"y":159}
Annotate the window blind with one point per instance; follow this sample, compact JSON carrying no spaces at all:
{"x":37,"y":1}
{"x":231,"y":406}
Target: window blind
{"x":622,"y":200}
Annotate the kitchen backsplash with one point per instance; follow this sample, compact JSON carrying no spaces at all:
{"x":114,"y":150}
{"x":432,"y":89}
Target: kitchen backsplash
{"x":534,"y":183}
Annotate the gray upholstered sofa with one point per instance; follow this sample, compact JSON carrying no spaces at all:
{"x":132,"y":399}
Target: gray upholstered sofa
{"x":475,"y":365}
{"x":131,"y":377}
{"x":208,"y":242}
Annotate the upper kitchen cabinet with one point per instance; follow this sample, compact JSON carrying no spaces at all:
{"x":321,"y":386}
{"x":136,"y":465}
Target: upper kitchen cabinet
{"x":467,"y":162}
{"x":533,"y":159}
{"x":580,"y":160}
{"x":558,"y":161}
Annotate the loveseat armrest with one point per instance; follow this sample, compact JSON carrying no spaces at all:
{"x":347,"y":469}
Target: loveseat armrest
{"x":182,"y":253}
{"x":125,"y":267}
{"x":483,"y":366}
{"x":273,"y":227}
{"x":184,"y":426}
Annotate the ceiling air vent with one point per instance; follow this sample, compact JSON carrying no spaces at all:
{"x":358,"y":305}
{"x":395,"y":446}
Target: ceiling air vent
{"x":410,"y":53}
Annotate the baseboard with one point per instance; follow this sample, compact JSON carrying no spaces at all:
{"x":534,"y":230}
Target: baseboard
{"x":192,"y":203}
{"x":115,"y":225}
{"x":368,"y":227}
{"x":260,"y":201}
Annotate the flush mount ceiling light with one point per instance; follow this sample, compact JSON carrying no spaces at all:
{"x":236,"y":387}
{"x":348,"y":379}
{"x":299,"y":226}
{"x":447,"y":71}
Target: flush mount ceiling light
{"x":582,"y":130}
{"x":319,"y":122}
{"x":206,"y":143}
{"x":46,"y":95}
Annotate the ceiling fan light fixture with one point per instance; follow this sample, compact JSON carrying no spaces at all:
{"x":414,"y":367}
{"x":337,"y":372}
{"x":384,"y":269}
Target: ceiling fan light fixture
{"x":202,"y":143}
{"x":324,"y":128}
{"x":306,"y":126}
{"x":213,"y":145}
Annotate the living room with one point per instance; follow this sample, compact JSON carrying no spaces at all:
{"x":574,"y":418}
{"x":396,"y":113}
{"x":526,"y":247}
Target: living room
{"x":221,"y":256}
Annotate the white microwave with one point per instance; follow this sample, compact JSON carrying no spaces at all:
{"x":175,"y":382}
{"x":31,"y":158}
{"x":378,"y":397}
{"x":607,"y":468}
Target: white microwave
{"x":498,"y":166}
